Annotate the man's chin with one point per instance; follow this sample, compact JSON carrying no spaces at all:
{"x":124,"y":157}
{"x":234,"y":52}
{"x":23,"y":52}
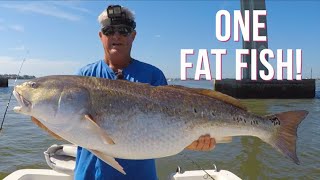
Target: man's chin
{"x":116,"y":51}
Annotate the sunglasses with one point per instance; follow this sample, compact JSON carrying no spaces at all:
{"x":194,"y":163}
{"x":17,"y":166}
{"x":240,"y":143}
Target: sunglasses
{"x":111,"y":30}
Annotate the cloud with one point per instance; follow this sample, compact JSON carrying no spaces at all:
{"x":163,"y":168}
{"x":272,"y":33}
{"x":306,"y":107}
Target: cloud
{"x":7,"y":58}
{"x":1,"y":26}
{"x":19,"y":48}
{"x":38,"y":67}
{"x":43,"y":9}
{"x":157,"y":36}
{"x":80,"y":9}
{"x":14,"y":27}
{"x":71,"y":5}
{"x":17,"y":28}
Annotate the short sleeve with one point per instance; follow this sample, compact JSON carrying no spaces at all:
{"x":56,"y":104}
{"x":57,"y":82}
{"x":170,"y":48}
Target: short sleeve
{"x":79,"y":72}
{"x":159,"y":78}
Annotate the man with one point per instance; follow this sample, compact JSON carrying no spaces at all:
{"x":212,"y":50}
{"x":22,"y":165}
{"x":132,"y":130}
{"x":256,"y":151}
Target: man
{"x":117,"y":35}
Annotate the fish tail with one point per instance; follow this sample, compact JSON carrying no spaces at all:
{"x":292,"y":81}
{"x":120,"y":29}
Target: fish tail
{"x":285,"y":138}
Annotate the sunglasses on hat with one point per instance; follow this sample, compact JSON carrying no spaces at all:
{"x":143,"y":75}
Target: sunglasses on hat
{"x":111,"y":30}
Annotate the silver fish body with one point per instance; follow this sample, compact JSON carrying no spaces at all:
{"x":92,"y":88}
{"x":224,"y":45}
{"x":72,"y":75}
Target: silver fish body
{"x":116,"y":118}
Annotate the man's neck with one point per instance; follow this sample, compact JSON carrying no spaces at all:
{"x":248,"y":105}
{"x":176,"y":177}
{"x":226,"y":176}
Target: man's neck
{"x":119,"y":63}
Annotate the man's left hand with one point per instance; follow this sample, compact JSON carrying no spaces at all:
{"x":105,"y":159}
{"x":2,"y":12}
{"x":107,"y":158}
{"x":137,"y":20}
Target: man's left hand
{"x":204,"y":143}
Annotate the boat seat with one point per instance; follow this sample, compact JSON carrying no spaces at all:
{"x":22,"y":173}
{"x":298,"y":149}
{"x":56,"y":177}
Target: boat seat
{"x":61,"y":158}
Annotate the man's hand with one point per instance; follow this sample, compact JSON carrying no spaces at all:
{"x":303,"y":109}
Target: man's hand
{"x":204,"y":143}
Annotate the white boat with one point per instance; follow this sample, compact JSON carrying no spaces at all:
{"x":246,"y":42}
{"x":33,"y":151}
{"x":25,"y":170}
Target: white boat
{"x":61,"y":160}
{"x":37,"y":174}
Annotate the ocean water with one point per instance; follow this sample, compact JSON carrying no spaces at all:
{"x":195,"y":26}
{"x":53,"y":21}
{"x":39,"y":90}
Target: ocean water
{"x":22,"y":143}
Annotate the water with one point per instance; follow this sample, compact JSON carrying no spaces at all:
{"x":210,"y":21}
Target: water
{"x":22,"y":144}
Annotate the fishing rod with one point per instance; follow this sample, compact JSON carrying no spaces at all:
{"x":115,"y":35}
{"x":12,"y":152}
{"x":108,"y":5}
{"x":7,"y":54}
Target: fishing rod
{"x":198,"y":165}
{"x":14,"y":84}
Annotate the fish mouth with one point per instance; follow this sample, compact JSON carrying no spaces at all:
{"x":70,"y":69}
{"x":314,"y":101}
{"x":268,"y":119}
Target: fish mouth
{"x":23,"y":102}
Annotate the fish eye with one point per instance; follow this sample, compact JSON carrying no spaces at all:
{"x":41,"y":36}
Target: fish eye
{"x":33,"y":85}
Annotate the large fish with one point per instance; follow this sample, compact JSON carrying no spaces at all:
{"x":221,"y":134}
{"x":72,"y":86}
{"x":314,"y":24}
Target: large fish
{"x":122,"y":119}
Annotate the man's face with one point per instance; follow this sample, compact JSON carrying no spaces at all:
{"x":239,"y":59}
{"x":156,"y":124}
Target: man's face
{"x":117,"y":40}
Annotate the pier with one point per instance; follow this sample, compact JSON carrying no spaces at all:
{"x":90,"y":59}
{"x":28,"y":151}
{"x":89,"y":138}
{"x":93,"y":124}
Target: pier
{"x":3,"y":82}
{"x":275,"y":89}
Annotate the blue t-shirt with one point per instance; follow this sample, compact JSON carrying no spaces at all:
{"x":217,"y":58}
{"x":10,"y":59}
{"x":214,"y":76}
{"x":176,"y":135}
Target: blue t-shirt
{"x":88,"y":166}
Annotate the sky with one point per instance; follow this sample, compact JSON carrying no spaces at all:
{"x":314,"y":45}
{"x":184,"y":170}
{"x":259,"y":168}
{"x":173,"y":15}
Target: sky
{"x":59,"y":37}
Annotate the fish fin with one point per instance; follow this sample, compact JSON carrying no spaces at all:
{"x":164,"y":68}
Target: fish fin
{"x":227,"y":139}
{"x":105,"y":137}
{"x":109,"y":160}
{"x":285,"y":138}
{"x":213,"y":94}
{"x":38,"y":123}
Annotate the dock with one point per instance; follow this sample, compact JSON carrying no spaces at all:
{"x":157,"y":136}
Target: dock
{"x":259,"y":89}
{"x":3,"y":82}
